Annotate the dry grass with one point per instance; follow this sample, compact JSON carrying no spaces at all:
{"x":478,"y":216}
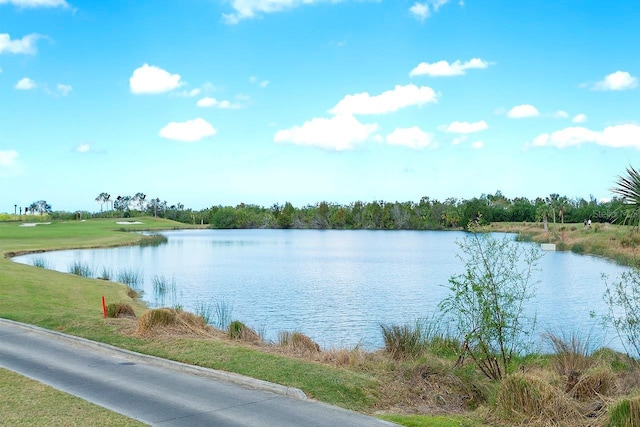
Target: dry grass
{"x":528,"y":399}
{"x":117,"y":310}
{"x":168,"y":321}
{"x":238,"y":331}
{"x":297,"y":342}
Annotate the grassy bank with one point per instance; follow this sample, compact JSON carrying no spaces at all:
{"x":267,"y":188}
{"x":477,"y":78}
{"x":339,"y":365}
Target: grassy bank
{"x":398,"y":388}
{"x":619,"y":243}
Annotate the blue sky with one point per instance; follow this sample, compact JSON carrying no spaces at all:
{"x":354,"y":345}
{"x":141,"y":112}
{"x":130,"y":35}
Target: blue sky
{"x":208,"y":102}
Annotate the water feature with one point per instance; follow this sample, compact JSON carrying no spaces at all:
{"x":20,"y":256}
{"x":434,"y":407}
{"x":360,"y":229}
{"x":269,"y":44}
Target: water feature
{"x":335,"y":286}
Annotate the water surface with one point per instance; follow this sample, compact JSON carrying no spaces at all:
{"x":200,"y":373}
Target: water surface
{"x":337,"y":286}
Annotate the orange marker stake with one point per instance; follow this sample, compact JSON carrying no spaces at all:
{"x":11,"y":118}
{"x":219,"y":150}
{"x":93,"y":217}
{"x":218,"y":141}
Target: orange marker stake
{"x":104,"y":308}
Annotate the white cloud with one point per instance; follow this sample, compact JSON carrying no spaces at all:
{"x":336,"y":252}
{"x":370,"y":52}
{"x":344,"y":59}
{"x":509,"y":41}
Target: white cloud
{"x":25,"y":84}
{"x":444,"y":69}
{"x":523,"y":111}
{"x":264,"y":83}
{"x":412,"y":137}
{"x":422,"y":10}
{"x":8,"y":158}
{"x":248,"y":9}
{"x":620,"y":80}
{"x":64,"y":90}
{"x":189,"y":131}
{"x":560,"y":114}
{"x":152,"y":80}
{"x":208,"y":102}
{"x":618,"y":136}
{"x":36,"y":3}
{"x":466,"y":127}
{"x":25,"y":45}
{"x":83,"y":148}
{"x":580,"y":118}
{"x":341,"y":132}
{"x":477,"y":145}
{"x":387,"y":102}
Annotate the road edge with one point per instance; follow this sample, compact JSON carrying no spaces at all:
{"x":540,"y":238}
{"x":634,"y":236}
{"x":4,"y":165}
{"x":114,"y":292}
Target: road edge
{"x":231,"y":377}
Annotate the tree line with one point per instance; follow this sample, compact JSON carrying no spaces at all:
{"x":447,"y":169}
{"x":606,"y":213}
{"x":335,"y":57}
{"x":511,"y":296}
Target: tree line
{"x":426,"y":214}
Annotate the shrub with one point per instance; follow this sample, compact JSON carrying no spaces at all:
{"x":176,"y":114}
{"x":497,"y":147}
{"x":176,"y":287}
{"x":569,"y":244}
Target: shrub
{"x":623,"y":300}
{"x":487,"y":301}
{"x":577,"y":248}
{"x":625,"y":413}
{"x":116,"y":310}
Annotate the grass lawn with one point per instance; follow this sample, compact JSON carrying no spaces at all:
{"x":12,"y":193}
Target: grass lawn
{"x":29,"y":403}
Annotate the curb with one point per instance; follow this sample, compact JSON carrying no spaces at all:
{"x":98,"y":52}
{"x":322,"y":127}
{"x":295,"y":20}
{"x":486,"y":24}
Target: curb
{"x":230,"y":377}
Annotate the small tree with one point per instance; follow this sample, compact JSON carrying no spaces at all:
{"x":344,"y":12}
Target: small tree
{"x":487,"y":302}
{"x":623,"y":300}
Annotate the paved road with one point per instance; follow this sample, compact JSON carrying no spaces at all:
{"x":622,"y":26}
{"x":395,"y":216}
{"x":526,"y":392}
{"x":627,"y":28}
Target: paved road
{"x":156,"y":391}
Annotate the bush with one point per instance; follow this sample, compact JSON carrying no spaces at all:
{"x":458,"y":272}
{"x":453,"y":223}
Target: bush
{"x":487,"y":301}
{"x":623,"y":300}
{"x":116,"y":310}
{"x":577,"y":248}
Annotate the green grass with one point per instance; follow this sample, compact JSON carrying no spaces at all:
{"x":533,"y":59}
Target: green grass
{"x":72,"y":304}
{"x":29,"y":403}
{"x":432,"y":421}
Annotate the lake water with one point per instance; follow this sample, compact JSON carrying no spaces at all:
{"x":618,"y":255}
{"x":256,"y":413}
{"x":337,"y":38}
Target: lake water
{"x":337,"y":286}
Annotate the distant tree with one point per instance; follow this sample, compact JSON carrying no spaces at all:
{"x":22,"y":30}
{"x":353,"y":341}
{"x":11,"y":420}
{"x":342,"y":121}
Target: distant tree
{"x":40,"y":207}
{"x":286,"y":216}
{"x":102,"y":199}
{"x":122,"y":203}
{"x":139,"y":199}
{"x":628,"y":186}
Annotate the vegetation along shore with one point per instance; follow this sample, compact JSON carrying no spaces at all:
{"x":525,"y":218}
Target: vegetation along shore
{"x":428,"y":374}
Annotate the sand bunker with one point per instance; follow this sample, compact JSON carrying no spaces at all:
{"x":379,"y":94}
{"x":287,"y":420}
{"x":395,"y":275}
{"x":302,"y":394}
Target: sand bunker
{"x":128,"y":222}
{"x":33,"y":224}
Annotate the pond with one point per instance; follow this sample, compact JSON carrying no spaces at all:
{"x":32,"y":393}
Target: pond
{"x":336,"y":286}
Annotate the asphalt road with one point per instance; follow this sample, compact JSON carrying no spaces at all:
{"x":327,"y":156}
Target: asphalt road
{"x":159,"y":392}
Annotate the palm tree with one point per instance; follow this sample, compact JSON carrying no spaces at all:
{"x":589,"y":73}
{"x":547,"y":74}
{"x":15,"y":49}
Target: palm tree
{"x":628,"y":187}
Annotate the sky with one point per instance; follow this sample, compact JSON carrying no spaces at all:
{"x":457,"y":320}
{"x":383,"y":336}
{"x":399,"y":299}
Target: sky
{"x":221,"y":102}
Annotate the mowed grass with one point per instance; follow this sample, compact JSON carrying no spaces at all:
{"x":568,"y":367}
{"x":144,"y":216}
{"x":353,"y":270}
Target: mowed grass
{"x":29,"y":403}
{"x":72,"y":304}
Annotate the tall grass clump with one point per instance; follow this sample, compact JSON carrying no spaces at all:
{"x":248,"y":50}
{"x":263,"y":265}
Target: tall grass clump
{"x":163,"y":287}
{"x":403,"y":341}
{"x":40,"y":262}
{"x":116,"y":310}
{"x":297,"y":341}
{"x":80,"y":268}
{"x":625,"y":413}
{"x":105,"y":273}
{"x":130,"y":277}
{"x":153,"y":240}
{"x":572,"y":353}
{"x":240,"y":332}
